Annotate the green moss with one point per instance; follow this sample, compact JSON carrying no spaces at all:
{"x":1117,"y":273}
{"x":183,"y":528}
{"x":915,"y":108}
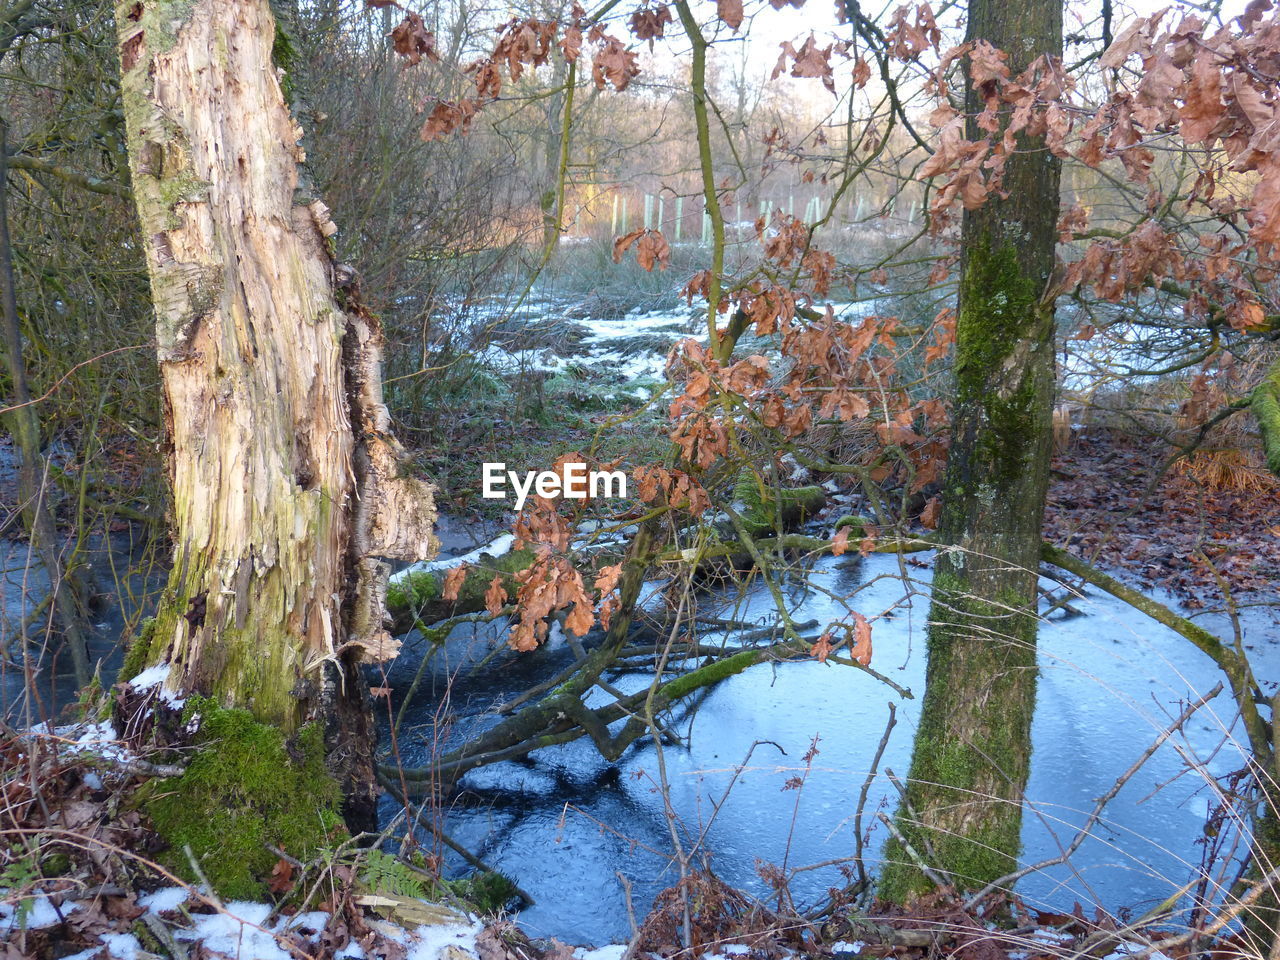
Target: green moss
{"x":859,"y":525}
{"x":765,"y":507}
{"x":482,"y":891}
{"x":1265,"y":404}
{"x":55,"y":865}
{"x":419,"y":590}
{"x":245,"y":788}
{"x":999,"y":310}
{"x":957,"y":757}
{"x":161,"y":21}
{"x":147,"y":939}
{"x":486,"y":892}
{"x":413,"y":590}
{"x":285,"y":56}
{"x":138,"y":657}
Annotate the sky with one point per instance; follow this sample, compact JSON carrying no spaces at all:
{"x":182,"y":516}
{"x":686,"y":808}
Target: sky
{"x":766,"y":28}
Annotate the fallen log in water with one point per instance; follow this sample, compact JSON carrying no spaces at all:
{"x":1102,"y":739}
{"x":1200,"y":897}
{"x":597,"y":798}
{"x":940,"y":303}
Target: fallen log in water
{"x":415,"y":595}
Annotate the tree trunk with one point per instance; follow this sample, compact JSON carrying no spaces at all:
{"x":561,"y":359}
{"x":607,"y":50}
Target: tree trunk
{"x":286,"y":486}
{"x":1265,"y":401}
{"x":962,"y":812}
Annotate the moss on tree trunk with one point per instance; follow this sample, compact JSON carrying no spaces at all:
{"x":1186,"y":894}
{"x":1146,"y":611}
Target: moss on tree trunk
{"x":1266,"y":409}
{"x":963,"y":805}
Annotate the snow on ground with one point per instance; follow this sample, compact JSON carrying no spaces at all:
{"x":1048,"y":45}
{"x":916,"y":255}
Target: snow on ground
{"x":40,"y":912}
{"x":166,"y":898}
{"x":604,"y":346}
{"x":1125,"y":950}
{"x":611,"y":952}
{"x":497,"y":547}
{"x":246,"y":931}
{"x":98,"y":737}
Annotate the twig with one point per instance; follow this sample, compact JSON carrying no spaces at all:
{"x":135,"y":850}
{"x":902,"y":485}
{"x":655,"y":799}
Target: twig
{"x":167,"y":940}
{"x":1098,"y":807}
{"x":866,"y":789}
{"x":909,"y":809}
{"x":631,"y":909}
{"x":142,"y":768}
{"x":919,"y":861}
{"x":1221,"y":921}
{"x":200,"y":875}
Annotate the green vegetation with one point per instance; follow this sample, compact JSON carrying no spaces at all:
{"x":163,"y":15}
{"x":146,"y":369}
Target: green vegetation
{"x":139,"y":653}
{"x":247,"y":787}
{"x":486,"y":892}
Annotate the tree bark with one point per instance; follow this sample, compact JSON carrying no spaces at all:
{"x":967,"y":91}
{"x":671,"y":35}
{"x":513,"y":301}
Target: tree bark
{"x":962,"y":810}
{"x":286,"y":485}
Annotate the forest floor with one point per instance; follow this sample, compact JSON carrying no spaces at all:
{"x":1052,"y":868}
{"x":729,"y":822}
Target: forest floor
{"x":1108,"y":504}
{"x":86,"y":890}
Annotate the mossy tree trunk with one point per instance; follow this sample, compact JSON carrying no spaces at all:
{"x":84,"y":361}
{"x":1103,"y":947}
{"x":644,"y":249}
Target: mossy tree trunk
{"x":286,"y":487}
{"x":963,"y":805}
{"x":1266,"y":408}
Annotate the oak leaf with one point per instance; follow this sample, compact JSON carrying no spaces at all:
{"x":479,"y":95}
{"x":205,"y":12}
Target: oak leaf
{"x":495,"y":598}
{"x":730,"y":11}
{"x":453,"y":583}
{"x":413,"y":41}
{"x":861,"y":640}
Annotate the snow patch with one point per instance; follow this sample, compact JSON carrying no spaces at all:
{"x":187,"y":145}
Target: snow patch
{"x":1126,"y":949}
{"x":1051,"y":936}
{"x":151,"y":676}
{"x":499,"y":546}
{"x":432,"y":942}
{"x":238,"y":933}
{"x":847,"y":946}
{"x":613,"y":951}
{"x":123,"y":946}
{"x":166,"y":898}
{"x":156,"y":677}
{"x":40,"y":913}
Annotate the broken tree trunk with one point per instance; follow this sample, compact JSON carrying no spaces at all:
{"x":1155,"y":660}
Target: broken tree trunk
{"x":286,"y":486}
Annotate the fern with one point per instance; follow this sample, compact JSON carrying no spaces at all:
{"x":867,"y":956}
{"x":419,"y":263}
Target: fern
{"x":19,"y":874}
{"x":386,"y":875}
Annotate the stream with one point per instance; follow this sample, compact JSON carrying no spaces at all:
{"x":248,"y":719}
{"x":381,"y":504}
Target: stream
{"x":565,"y":824}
